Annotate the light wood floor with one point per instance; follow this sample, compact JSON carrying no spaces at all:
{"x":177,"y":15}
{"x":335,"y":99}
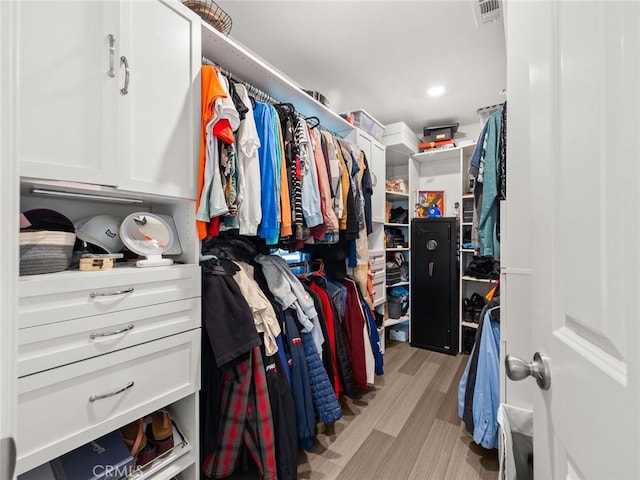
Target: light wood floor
{"x":405,"y":428}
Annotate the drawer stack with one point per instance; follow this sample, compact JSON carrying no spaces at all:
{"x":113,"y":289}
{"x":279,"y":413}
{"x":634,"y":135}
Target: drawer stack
{"x":377,"y":259}
{"x":97,"y":350}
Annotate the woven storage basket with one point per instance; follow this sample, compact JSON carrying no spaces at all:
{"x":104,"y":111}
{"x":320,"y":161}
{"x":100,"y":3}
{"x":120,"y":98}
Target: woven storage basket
{"x":45,"y":251}
{"x":211,"y":13}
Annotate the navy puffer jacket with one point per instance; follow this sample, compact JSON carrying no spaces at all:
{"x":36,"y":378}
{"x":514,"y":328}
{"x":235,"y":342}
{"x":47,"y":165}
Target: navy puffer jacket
{"x":324,"y":397}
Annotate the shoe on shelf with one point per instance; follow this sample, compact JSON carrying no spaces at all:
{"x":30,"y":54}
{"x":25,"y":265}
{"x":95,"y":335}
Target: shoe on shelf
{"x":134,"y":437}
{"x":160,"y":429}
{"x":147,"y":454}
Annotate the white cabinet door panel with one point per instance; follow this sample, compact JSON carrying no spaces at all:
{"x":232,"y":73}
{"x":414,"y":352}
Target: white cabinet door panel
{"x":159,"y":116}
{"x":66,"y":104}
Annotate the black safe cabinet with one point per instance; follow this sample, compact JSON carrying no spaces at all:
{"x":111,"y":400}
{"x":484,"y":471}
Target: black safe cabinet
{"x":434,"y":284}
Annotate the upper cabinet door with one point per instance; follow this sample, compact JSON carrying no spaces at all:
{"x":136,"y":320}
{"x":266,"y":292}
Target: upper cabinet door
{"x":377,"y":165}
{"x":375,"y":153}
{"x":65,"y":106}
{"x":160,"y":103}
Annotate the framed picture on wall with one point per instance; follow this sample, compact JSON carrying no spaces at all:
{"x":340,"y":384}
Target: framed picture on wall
{"x":429,"y":203}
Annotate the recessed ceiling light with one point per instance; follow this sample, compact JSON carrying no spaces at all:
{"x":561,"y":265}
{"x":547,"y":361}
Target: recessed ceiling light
{"x":436,"y":91}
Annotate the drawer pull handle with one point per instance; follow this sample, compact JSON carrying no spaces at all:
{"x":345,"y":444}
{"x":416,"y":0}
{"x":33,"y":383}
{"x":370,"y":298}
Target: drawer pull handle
{"x":108,"y":334}
{"x":118,"y":292}
{"x":93,"y":398}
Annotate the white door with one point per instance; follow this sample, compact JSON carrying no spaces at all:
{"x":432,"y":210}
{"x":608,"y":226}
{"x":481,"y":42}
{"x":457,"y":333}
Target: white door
{"x":160,"y":109}
{"x":581,"y":120}
{"x":65,"y":98}
{"x":9,"y":207}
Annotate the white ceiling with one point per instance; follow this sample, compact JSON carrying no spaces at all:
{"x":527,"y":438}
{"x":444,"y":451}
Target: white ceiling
{"x":381,"y":56}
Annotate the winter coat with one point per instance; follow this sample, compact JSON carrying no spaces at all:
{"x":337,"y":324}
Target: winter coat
{"x":324,"y":397}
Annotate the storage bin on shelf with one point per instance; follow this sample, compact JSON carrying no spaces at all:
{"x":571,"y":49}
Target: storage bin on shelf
{"x":399,"y":333}
{"x":366,"y":122}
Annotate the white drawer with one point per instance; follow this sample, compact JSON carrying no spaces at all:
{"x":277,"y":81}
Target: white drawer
{"x":56,"y":297}
{"x":378,"y":276}
{"x":55,"y":411}
{"x":49,"y":346}
{"x":377,"y":261}
{"x":379,"y":291}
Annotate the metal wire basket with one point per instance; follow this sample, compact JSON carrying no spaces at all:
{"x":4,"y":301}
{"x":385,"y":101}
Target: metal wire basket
{"x":211,"y":13}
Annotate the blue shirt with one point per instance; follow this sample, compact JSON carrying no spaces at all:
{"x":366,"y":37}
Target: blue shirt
{"x":269,"y":195}
{"x":486,"y":396}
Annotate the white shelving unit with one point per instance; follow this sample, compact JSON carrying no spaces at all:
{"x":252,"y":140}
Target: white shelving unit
{"x":401,"y":143}
{"x":103,"y":349}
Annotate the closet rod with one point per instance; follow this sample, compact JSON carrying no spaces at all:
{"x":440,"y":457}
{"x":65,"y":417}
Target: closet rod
{"x":255,"y":91}
{"x":490,"y":108}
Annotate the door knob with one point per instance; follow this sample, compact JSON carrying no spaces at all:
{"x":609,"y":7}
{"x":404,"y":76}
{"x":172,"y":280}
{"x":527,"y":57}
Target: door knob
{"x":518,"y":369}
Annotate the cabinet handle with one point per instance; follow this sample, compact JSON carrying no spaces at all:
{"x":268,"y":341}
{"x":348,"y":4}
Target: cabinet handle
{"x":117,"y":292}
{"x":375,"y":179}
{"x":127,"y":71}
{"x":108,"y":334}
{"x":93,"y":398}
{"x":112,"y":54}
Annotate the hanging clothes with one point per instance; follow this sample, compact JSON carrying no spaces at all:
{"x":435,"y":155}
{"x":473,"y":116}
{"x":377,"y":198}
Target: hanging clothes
{"x":263,"y":313}
{"x":249,"y":184}
{"x":284,"y":423}
{"x":222,"y":120}
{"x":310,"y":190}
{"x":488,"y":212}
{"x":290,"y":293}
{"x":485,"y":395}
{"x":354,"y":331}
{"x":300,"y":384}
{"x":269,"y":176}
{"x":245,"y":420}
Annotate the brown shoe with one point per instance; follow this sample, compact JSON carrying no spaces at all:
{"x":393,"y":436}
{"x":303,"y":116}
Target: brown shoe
{"x":134,"y":437}
{"x":161,"y":430}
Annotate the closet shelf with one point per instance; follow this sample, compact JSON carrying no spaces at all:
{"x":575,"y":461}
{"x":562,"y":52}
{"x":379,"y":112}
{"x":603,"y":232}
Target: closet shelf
{"x":467,"y":250}
{"x":397,"y":195}
{"x":249,"y":67}
{"x":396,"y":224}
{"x":389,"y":322}
{"x":397,"y":249}
{"x":449,"y":154}
{"x":469,"y":325}
{"x":397,"y":284}
{"x":481,"y":280}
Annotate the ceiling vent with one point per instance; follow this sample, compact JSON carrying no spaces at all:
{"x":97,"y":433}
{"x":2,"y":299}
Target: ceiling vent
{"x":486,"y":11}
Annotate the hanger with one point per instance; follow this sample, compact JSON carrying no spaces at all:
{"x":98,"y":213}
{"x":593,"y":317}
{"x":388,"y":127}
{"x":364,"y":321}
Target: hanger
{"x":313,"y":122}
{"x":220,"y":266}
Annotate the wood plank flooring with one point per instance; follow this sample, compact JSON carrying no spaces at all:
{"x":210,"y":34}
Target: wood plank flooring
{"x":406,"y":427}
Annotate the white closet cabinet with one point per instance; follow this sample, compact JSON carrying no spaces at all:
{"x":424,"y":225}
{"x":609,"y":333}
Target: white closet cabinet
{"x":98,"y":350}
{"x":104,"y":93}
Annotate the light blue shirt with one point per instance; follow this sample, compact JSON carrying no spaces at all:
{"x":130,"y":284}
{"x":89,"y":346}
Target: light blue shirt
{"x":488,"y":214}
{"x":486,"y":395}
